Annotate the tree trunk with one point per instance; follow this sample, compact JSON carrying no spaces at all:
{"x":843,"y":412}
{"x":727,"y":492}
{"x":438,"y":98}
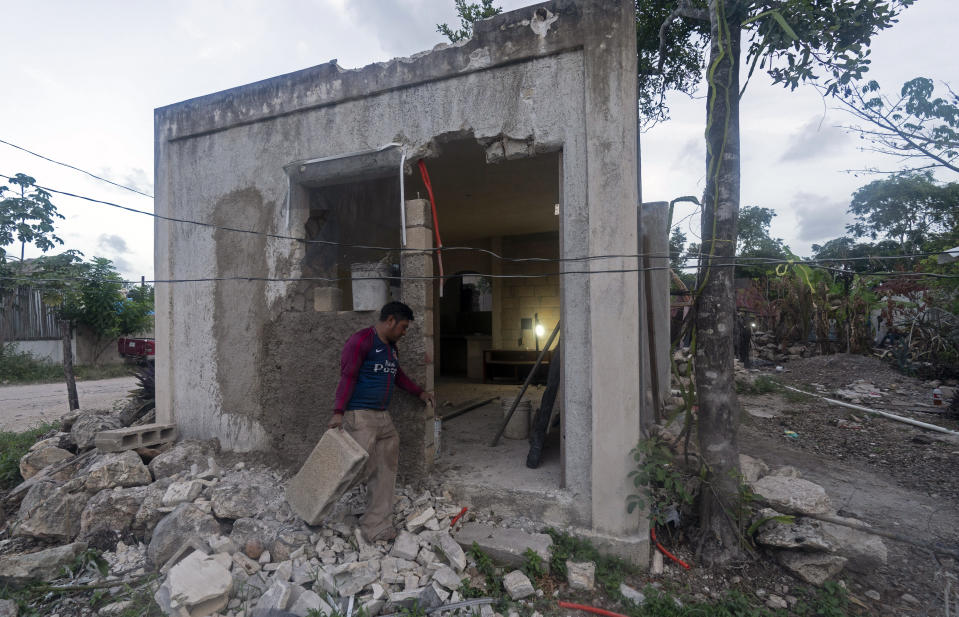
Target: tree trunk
{"x":715,"y":304}
{"x":72,"y":397}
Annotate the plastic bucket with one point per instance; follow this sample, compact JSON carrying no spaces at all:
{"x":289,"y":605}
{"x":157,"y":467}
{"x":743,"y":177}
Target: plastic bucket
{"x":518,"y":426}
{"x":371,"y":288}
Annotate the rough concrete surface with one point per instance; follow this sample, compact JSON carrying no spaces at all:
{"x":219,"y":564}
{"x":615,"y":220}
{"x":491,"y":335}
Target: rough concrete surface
{"x":22,"y":407}
{"x":328,"y":473}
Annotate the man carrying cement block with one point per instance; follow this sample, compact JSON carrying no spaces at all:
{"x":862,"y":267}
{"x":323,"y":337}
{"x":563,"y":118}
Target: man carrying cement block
{"x":369,"y":369}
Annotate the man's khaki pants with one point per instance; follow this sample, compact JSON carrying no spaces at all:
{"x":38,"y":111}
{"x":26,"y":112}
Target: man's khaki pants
{"x":374,"y":431}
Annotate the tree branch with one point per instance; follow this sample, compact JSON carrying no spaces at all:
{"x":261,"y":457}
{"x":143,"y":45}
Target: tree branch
{"x":684,"y":9}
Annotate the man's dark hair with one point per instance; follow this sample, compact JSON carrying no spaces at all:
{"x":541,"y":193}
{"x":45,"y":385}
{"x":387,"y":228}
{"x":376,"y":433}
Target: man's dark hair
{"x":396,"y":310}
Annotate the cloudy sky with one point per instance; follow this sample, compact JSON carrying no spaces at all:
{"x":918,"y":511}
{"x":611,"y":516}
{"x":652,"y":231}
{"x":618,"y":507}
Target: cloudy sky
{"x":82,"y":80}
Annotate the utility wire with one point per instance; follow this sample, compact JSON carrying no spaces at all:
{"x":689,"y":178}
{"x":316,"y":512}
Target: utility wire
{"x":688,"y":257}
{"x":83,"y":171}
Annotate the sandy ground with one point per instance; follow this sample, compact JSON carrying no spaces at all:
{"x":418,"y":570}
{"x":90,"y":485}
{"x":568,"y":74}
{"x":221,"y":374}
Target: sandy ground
{"x":22,"y":407}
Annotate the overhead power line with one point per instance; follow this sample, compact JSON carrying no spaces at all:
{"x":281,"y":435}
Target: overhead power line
{"x":83,"y":171}
{"x":590,"y":258}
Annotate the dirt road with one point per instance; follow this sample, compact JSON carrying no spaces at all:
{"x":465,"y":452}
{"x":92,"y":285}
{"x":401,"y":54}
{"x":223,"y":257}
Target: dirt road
{"x":22,"y":407}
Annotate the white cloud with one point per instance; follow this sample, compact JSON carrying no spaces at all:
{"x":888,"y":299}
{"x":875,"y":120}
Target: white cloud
{"x":817,"y":139}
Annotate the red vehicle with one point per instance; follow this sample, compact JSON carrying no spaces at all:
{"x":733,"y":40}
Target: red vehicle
{"x":137,"y":349}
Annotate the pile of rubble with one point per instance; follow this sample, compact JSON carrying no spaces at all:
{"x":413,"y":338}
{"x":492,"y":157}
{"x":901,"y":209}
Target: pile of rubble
{"x":225,"y":541}
{"x":793,"y":529}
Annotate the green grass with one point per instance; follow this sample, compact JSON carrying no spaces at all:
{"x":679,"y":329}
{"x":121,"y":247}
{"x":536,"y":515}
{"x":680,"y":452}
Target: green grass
{"x":18,"y":367}
{"x":610,"y":571}
{"x":12,"y":448}
{"x":761,"y":385}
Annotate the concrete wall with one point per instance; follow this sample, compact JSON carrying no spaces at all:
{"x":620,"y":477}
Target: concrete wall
{"x":554,"y":77}
{"x":46,"y":350}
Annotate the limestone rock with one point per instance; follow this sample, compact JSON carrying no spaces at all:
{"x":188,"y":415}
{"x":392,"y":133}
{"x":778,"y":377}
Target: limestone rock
{"x":792,"y":495}
{"x":35,"y":460}
{"x":505,"y":546}
{"x":182,"y":457}
{"x":149,"y":513}
{"x":200,"y":584}
{"x":90,"y":422}
{"x":245,"y":494}
{"x":51,"y":512}
{"x":110,"y":513}
{"x":581,"y":575}
{"x":40,"y":565}
{"x":865,"y":551}
{"x":517,"y":585}
{"x":752,"y":468}
{"x":181,"y":492}
{"x":123,"y":469}
{"x":184,"y":522}
{"x":289,"y":539}
{"x":405,"y":546}
{"x":261,"y":533}
{"x":814,"y":568}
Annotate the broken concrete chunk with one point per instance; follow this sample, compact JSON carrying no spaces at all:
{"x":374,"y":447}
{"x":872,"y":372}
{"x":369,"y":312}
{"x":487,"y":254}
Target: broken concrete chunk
{"x":581,"y":575}
{"x":310,"y":601}
{"x":505,"y":546}
{"x":447,"y":578}
{"x":752,"y":468}
{"x":518,"y":585}
{"x":329,"y":471}
{"x":352,"y":578}
{"x":865,"y":551}
{"x":248,"y":565}
{"x":405,"y":546}
{"x":446,"y":546}
{"x":634,"y":596}
{"x":90,"y":422}
{"x":199,"y":584}
{"x":792,"y":495}
{"x":419,"y":519}
{"x":9,"y":608}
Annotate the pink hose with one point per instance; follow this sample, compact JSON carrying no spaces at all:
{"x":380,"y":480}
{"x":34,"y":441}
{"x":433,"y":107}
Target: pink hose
{"x":652,"y":533}
{"x":590,"y":609}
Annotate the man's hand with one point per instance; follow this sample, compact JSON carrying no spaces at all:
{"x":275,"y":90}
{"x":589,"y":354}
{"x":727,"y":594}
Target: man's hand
{"x":428,"y":397}
{"x":336,"y":421}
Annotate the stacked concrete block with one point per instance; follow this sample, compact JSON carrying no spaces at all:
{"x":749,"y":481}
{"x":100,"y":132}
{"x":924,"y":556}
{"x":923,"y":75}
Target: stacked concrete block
{"x":134,"y":437}
{"x":418,"y":292}
{"x":330,"y":470}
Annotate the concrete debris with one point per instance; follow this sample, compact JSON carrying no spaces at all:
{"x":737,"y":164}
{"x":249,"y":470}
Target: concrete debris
{"x":276,"y":598}
{"x":503,"y":545}
{"x":326,"y":475}
{"x":581,"y":575}
{"x":633,"y":595}
{"x":419,"y":520}
{"x":200,"y":584}
{"x":447,"y":547}
{"x":518,"y":585}
{"x":405,"y":546}
{"x":110,"y":514}
{"x":864,"y":551}
{"x":40,"y":565}
{"x":792,"y":495}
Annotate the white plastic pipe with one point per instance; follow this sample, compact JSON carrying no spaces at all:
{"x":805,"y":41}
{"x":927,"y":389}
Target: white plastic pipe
{"x":930,"y":427}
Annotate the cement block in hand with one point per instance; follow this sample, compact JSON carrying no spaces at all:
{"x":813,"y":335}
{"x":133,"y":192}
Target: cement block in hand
{"x":330,"y":470}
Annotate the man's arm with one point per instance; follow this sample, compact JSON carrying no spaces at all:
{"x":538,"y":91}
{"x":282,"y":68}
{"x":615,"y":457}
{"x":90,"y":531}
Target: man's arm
{"x":410,"y":386}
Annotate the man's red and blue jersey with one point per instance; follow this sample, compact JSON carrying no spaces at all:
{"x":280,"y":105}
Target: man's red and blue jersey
{"x":369,"y":369}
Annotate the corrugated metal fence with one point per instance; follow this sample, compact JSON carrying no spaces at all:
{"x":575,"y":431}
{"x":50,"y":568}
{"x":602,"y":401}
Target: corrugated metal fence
{"x":24,"y":316}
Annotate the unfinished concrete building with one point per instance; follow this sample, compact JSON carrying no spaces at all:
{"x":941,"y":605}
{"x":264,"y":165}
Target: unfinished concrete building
{"x":528,"y":131}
